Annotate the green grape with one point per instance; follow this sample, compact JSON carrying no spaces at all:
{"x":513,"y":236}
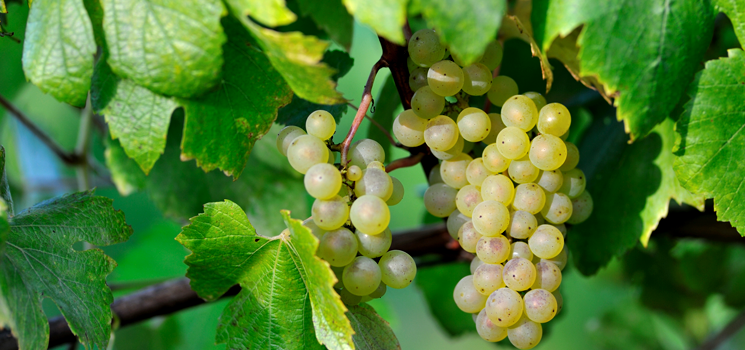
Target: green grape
{"x":523,"y":171}
{"x":286,"y":136}
{"x":546,"y":242}
{"x":498,"y":188}
{"x":547,"y":152}
{"x":427,"y":104}
{"x":445,"y":78}
{"x":513,"y":143}
{"x":379,"y":292}
{"x":338,"y":271}
{"x":455,"y":221}
{"x":492,"y":56}
{"x":374,"y":182}
{"x":434,"y":176}
{"x":562,"y":228}
{"x":551,"y":180}
{"x":548,"y":276}
{"x":562,"y":137}
{"x":476,"y":172}
{"x":330,"y":214}
{"x":572,"y":157}
{"x":488,"y":330}
{"x":522,"y":225}
{"x":502,"y":88}
{"x":314,"y":229}
{"x":306,"y":151}
{"x":376,"y":165}
{"x":373,"y":246}
{"x":494,"y":160}
{"x":418,"y":78}
{"x":525,"y":334}
{"x":558,"y":208}
{"x":476,"y":79}
{"x":529,"y":197}
{"x":348,"y":298}
{"x":452,"y":152}
{"x":362,"y":276}
{"x":365,"y":151}
{"x":467,"y":297}
{"x":332,"y":158}
{"x":453,"y":171}
{"x":370,"y":214}
{"x":493,"y":250}
{"x":410,"y":65}
{"x":441,"y":133}
{"x":354,"y":173}
{"x":504,"y":307}
{"x":473,"y":124}
{"x":490,"y":218}
{"x":425,"y":48}
{"x":321,"y":124}
{"x":338,"y":247}
{"x":398,"y":269}
{"x":468,"y":237}
{"x":581,"y":208}
{"x":519,"y":274}
{"x":409,"y":128}
{"x":496,"y":126}
{"x":439,"y":199}
{"x":538,"y":100}
{"x":520,"y":250}
{"x":322,"y":181}
{"x":475,"y":263}
{"x":554,"y":119}
{"x":398,"y":192}
{"x":519,"y":111}
{"x":488,"y":278}
{"x":559,"y":300}
{"x":460,"y":62}
{"x":468,"y":197}
{"x":540,"y":305}
{"x":574,"y":183}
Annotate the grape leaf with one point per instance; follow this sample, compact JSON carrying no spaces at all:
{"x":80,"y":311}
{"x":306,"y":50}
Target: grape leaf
{"x":466,"y":26}
{"x":272,"y":13}
{"x":566,"y":50}
{"x":631,"y":187}
{"x":513,"y":27}
{"x":136,"y":116}
{"x":386,"y":17}
{"x":385,"y":105}
{"x":711,"y":144}
{"x":223,"y":125}
{"x":733,"y":10}
{"x":437,"y":283}
{"x":125,"y":172}
{"x":371,"y":332}
{"x":39,"y":261}
{"x":171,"y":47}
{"x":58,"y":49}
{"x":644,"y":52}
{"x":3,"y":9}
{"x":332,"y":17}
{"x":4,"y":186}
{"x":284,"y":285}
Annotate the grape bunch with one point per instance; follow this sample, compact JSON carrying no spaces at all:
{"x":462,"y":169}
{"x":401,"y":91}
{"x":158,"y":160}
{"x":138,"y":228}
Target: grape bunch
{"x":507,"y":184}
{"x":350,"y":214}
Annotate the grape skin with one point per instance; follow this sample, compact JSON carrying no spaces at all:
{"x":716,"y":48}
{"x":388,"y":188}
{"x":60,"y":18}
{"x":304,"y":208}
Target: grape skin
{"x":425,"y":48}
{"x":473,"y":124}
{"x":374,"y":246}
{"x":330,"y":214}
{"x":306,"y":151}
{"x":365,"y":151}
{"x":468,"y":237}
{"x":504,"y":307}
{"x":476,"y":172}
{"x":488,"y":330}
{"x":554,"y":119}
{"x":560,"y":260}
{"x":374,"y":182}
{"x":418,"y":78}
{"x":286,"y":136}
{"x":547,"y":152}
{"x":452,"y":152}
{"x":322,"y":181}
{"x":475,"y":263}
{"x":548,"y":276}
{"x":441,"y":133}
{"x":493,"y":250}
{"x":409,"y":128}
{"x":398,"y":192}
{"x":498,"y":188}
{"x":354,"y":173}
{"x":380,"y":291}
{"x":455,"y":221}
{"x":540,"y":305}
{"x":487,"y":278}
{"x":521,"y":250}
{"x":558,"y":208}
{"x":477,"y":79}
{"x":496,"y":126}
{"x":492,"y":56}
{"x":467,"y":297}
{"x":439,"y":199}
{"x":513,"y":143}
{"x":529,"y":197}
{"x":574,"y":183}
{"x":551,"y":180}
{"x":362,"y":276}
{"x":426,"y":103}
{"x":467,"y":199}
{"x":338,"y":247}
{"x":523,"y":171}
{"x":494,"y":160}
{"x":434,"y":176}
{"x":519,"y":274}
{"x":525,"y":334}
{"x":453,"y":171}
{"x":490,"y":218}
{"x":581,"y":208}
{"x":520,"y":111}
{"x":538,"y":100}
{"x":445,"y":78}
{"x":502,"y":88}
{"x":370,"y":214}
{"x":398,"y":269}
{"x":321,"y":124}
{"x":314,"y":229}
{"x":546,"y":242}
{"x":522,"y":224}
{"x":572,"y":157}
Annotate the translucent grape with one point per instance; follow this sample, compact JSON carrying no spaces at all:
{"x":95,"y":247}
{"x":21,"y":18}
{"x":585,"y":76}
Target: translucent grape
{"x":425,"y":48}
{"x":453,"y":171}
{"x":504,"y":307}
{"x":520,"y":111}
{"x":354,"y":173}
{"x":475,"y":263}
{"x":476,"y":172}
{"x":455,"y":221}
{"x":488,"y":278}
{"x":348,"y":298}
{"x":529,"y":197}
{"x":286,"y":136}
{"x":322,"y":181}
{"x":493,"y":250}
{"x":558,"y":208}
{"x":473,"y":124}
{"x":321,"y":124}
{"x":554,"y":119}
{"x":492,"y":56}
{"x":379,"y":292}
{"x":488,"y":330}
{"x":548,"y":276}
{"x":551,"y":180}
{"x":519,"y":274}
{"x":434,"y":176}
{"x":314,"y":229}
{"x":468,"y":197}
{"x":522,"y":224}
{"x":494,"y":160}
{"x":523,"y":171}
{"x":562,"y":228}
{"x":373,"y":246}
{"x":374,"y":182}
{"x":410,"y":65}
{"x":330,"y":214}
{"x":490,"y":218}
{"x":540,"y":305}
{"x":581,"y":208}
{"x":439,"y":199}
{"x":572,"y":157}
{"x":513,"y":143}
{"x":418,"y":78}
{"x":306,"y":151}
{"x":496,"y":126}
{"x":468,"y":237}
{"x":445,"y":78}
{"x":525,"y":334}
{"x":338,"y":247}
{"x":398,"y":192}
{"x":409,"y":128}
{"x":547,"y":152}
{"x":441,"y":133}
{"x":538,"y":99}
{"x":362,"y":276}
{"x":502,"y":88}
{"x":520,"y":250}
{"x":398,"y":269}
{"x":370,"y":214}
{"x":498,"y":188}
{"x":452,"y":152}
{"x":546,"y":242}
{"x":467,"y":297}
{"x":559,"y":300}
{"x":365,"y":151}
{"x":427,"y":104}
{"x":574,"y":183}
{"x":477,"y":79}
{"x":376,"y":165}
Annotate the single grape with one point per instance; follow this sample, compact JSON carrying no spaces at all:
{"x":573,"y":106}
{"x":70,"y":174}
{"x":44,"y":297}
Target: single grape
{"x":477,"y":79}
{"x":338,"y":247}
{"x":332,"y":158}
{"x":452,"y":152}
{"x":373,"y":246}
{"x":434,"y":176}
{"x":487,"y":329}
{"x":554,"y":119}
{"x":493,"y":250}
{"x":354,"y":173}
{"x":468,"y":237}
{"x":321,"y":124}
{"x":322,"y":181}
{"x":441,"y":133}
{"x":374,"y":182}
{"x":409,"y":128}
{"x":520,"y":111}
{"x":540,"y":305}
{"x":398,"y":269}
{"x":376,"y":165}
{"x":504,"y":307}
{"x":494,"y":160}
{"x":523,"y":171}
{"x":551,"y":180}
{"x":453,"y":171}
{"x":475,"y":263}
{"x":492,"y":56}
{"x":496,"y":126}
{"x":572,"y":157}
{"x":488,"y":278}
{"x":330,"y":214}
{"x":286,"y":136}
{"x":418,"y":78}
{"x":370,"y":214}
{"x":520,"y":250}
{"x":362,"y":276}
{"x":365,"y":151}
{"x":476,"y":172}
{"x":468,"y":197}
{"x":529,"y":197}
{"x":439,"y":199}
{"x":474,"y":124}
{"x":427,"y":104}
{"x":559,"y":300}
{"x":425,"y":48}
{"x":445,"y":78}
{"x":538,"y":99}
{"x":306,"y":151}
{"x":498,"y":188}
{"x":410,"y":65}
{"x":560,"y":260}
{"x":574,"y":183}
{"x":525,"y":334}
{"x":502,"y":88}
{"x":546,"y":242}
{"x":314,"y":229}
{"x":467,"y":297}
{"x":379,"y":292}
{"x":513,"y":143}
{"x":348,"y":298}
{"x":581,"y":208}
{"x":455,"y":222}
{"x":398,"y":192}
{"x":490,"y":218}
{"x":547,"y":152}
{"x":522,"y":225}
{"x":558,"y":208}
{"x":548,"y":276}
{"x":519,"y":274}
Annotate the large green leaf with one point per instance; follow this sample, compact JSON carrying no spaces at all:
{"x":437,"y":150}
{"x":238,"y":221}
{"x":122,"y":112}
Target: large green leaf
{"x":712,"y":145}
{"x":733,"y":10}
{"x":631,"y":187}
{"x":286,"y":289}
{"x":4,"y":187}
{"x":371,"y":332}
{"x":172,"y":47}
{"x":223,"y":125}
{"x":39,"y":261}
{"x":331,"y":16}
{"x":136,"y":116}
{"x":437,"y":283}
{"x":644,"y":52}
{"x":58,"y":49}
{"x":386,"y":17}
{"x":269,"y":12}
{"x":125,"y":172}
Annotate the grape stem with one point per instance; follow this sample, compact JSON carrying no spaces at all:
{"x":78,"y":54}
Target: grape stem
{"x":385,"y":132}
{"x":361,"y":111}
{"x":411,"y":160}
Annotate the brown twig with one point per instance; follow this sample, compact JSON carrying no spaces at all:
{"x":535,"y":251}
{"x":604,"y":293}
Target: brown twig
{"x":382,"y":129}
{"x":411,"y":160}
{"x":727,"y":332}
{"x":361,"y":111}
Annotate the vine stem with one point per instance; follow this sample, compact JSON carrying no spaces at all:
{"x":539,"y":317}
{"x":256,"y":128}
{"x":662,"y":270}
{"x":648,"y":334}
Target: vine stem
{"x":382,"y":129}
{"x":361,"y":111}
{"x":413,"y":159}
{"x":727,"y":332}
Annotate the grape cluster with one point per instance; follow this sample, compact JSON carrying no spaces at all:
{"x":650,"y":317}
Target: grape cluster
{"x":350,"y":214}
{"x":510,"y":205}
